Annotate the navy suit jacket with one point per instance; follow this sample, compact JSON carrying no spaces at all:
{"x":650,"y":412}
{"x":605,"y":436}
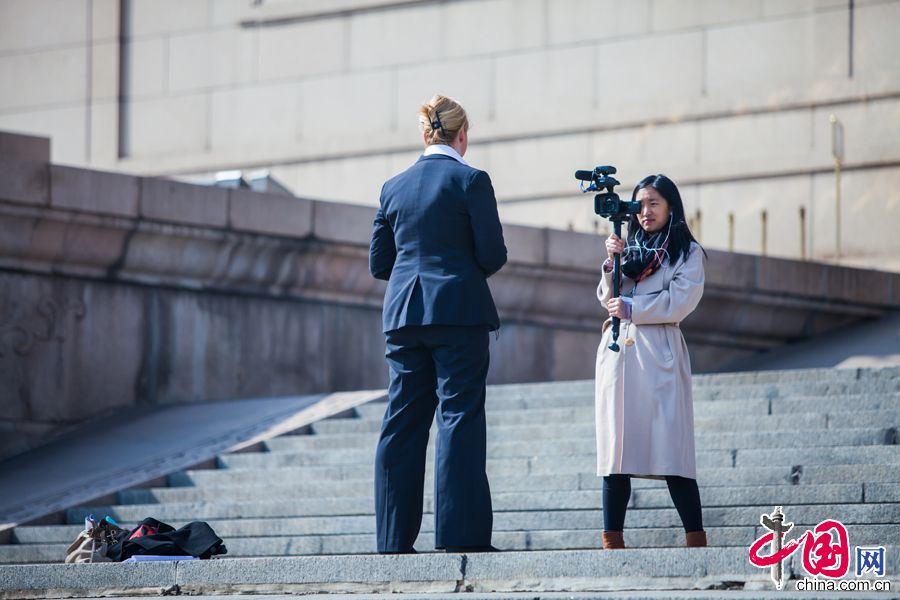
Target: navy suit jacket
{"x":437,"y":238}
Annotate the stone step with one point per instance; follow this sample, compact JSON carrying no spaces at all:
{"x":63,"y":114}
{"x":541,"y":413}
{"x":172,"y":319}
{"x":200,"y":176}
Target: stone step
{"x":533,"y":540}
{"x":761,"y":476}
{"x":796,"y":376}
{"x":549,"y":395}
{"x":584,"y":410}
{"x":530,"y":520}
{"x":499,"y":419}
{"x":641,"y":497}
{"x":499,"y":434}
{"x":767,"y":380}
{"x":726,"y":593}
{"x":545,"y":465}
{"x":571,"y":446}
{"x":648,"y":568}
{"x":533,"y":520}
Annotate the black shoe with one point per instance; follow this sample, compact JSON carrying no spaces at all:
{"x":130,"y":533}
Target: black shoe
{"x":410,"y":551}
{"x":470,"y":549}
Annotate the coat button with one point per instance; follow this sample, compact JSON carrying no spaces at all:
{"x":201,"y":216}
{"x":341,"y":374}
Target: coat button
{"x":629,"y":342}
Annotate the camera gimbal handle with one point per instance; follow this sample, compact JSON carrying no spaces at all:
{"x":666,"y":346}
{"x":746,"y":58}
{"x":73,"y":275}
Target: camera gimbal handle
{"x":617,"y":266}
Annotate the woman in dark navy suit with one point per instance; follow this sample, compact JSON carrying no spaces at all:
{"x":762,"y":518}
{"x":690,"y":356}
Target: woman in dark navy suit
{"x":436,"y":240}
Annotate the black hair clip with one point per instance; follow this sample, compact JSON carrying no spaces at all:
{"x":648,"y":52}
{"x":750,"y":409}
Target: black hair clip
{"x":436,"y":124}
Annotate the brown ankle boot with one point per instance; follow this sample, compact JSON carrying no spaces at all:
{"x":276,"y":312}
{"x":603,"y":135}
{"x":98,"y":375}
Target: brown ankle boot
{"x":695,"y":539}
{"x":613,"y":540}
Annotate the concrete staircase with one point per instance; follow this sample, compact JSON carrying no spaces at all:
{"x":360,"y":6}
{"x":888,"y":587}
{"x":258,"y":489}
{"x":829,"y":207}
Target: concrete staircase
{"x":297,"y":516}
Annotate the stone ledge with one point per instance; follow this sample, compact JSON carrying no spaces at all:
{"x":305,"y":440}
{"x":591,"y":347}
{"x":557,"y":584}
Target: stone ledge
{"x":24,"y":180}
{"x":94,"y":191}
{"x":273,"y":214}
{"x":184,"y":203}
{"x":25,"y":147}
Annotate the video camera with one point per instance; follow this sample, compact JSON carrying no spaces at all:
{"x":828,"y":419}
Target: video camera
{"x":607,"y":204}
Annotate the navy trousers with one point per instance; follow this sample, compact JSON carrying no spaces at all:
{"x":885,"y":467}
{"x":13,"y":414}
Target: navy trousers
{"x":436,"y":373}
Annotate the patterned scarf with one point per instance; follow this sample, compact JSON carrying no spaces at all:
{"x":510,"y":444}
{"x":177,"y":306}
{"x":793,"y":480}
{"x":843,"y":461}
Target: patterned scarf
{"x":644,"y":257}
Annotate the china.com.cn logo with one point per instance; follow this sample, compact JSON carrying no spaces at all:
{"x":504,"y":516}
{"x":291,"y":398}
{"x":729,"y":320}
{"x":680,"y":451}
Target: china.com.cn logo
{"x":826,"y":550}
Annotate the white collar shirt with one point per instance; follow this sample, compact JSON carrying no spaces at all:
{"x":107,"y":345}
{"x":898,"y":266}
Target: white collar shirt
{"x":445,"y":151}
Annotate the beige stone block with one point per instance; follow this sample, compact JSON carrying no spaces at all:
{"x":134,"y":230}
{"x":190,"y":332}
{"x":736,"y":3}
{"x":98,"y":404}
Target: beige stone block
{"x":174,"y":201}
{"x":396,"y":37}
{"x":66,"y":128}
{"x":587,"y":20}
{"x":104,"y":147}
{"x":23,"y":179}
{"x":270,"y":213}
{"x":655,"y":148}
{"x":871,"y":131}
{"x":683,"y":14}
{"x":167,"y":125}
{"x":469,"y":82}
{"x":525,"y":244}
{"x":209,"y":59}
{"x":490,"y":26}
{"x":105,"y":71}
{"x":43,"y":78}
{"x":302,"y":49}
{"x":876,"y":45}
{"x":776,"y":61}
{"x":553,"y":86}
{"x":758,"y":143}
{"x":780,"y":8}
{"x":343,"y":222}
{"x":332,"y":114}
{"x":255,"y":117}
{"x":94,"y":191}
{"x":33,"y":24}
{"x":623,"y":88}
{"x":229,"y":12}
{"x":868,"y":217}
{"x":400,"y":161}
{"x":565,"y":213}
{"x":105,"y":19}
{"x":575,"y":250}
{"x":357,"y":179}
{"x":781,"y":198}
{"x":147,"y":66}
{"x":154,"y":17}
{"x":543,"y":166}
{"x":24,"y":147}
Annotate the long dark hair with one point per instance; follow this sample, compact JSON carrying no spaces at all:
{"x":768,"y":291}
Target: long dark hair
{"x":680,"y":237}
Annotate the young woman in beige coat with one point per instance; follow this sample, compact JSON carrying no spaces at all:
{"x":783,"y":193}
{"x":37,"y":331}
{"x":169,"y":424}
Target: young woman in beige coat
{"x":644,"y":408}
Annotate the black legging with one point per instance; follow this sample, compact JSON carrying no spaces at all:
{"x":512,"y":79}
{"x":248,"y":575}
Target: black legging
{"x":684,"y":492}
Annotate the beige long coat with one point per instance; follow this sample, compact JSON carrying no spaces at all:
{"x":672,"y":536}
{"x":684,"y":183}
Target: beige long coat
{"x":644,"y":406}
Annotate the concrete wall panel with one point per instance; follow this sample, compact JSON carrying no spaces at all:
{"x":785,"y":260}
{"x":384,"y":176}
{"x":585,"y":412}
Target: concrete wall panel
{"x":250,"y":118}
{"x":303,"y":49}
{"x":588,"y":20}
{"x":877,"y":45}
{"x":210,"y":59}
{"x":33,"y":24}
{"x":408,"y":36}
{"x":40,"y":79}
{"x":333,"y":115}
{"x":166,"y":125}
{"x":552,"y":86}
{"x":155,"y":17}
{"x":147,"y":68}
{"x":476,"y":28}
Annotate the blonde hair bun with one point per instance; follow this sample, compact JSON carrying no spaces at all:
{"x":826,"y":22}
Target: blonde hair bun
{"x":441,"y":119}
